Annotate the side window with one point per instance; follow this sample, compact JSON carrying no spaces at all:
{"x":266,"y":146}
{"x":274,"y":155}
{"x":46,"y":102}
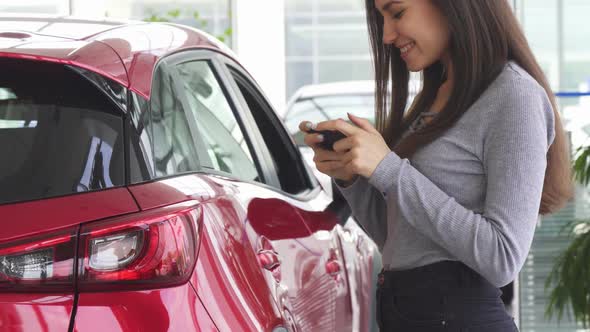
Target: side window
{"x":174,"y":148}
{"x":226,"y":147}
{"x":291,"y":171}
{"x":141,"y":163}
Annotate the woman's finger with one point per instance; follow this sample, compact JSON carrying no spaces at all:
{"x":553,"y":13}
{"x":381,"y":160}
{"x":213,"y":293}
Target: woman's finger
{"x":312,"y":139}
{"x":325,"y":155}
{"x":363,"y":123}
{"x":345,"y":144}
{"x":339,"y":125}
{"x":329,"y":166}
{"x":306,"y":126}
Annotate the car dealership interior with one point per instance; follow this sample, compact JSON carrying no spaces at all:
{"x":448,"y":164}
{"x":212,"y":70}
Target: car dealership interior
{"x":300,"y":60}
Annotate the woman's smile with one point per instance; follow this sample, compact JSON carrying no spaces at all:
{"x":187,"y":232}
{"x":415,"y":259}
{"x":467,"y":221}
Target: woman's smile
{"x":406,"y":49}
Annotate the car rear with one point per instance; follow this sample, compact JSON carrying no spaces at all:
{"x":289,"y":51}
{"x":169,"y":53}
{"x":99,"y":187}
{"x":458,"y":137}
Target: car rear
{"x":75,"y":251}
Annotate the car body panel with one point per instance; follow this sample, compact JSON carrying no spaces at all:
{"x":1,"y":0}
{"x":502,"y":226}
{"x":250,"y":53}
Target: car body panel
{"x":91,"y":55}
{"x":125,"y":52}
{"x":29,"y":218}
{"x":173,"y":190}
{"x":227,"y":276}
{"x":35,"y":312}
{"x":167,"y":309}
{"x":305,"y":238}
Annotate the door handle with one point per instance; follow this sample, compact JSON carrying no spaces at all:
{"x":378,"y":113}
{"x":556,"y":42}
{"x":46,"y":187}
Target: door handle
{"x":268,"y":259}
{"x":333,"y":268}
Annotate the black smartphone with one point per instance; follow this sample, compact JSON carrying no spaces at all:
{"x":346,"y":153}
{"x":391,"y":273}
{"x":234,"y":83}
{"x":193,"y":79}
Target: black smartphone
{"x":330,"y":137}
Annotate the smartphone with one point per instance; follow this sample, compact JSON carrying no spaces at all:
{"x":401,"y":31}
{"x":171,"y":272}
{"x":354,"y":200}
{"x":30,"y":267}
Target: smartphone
{"x":330,"y":137}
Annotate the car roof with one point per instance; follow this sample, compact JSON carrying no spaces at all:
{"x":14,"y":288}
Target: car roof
{"x":125,"y":51}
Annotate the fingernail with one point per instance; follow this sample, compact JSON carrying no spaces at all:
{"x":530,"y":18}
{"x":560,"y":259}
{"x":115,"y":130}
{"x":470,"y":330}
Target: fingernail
{"x":308,"y":125}
{"x":313,"y":126}
{"x":320,"y":138}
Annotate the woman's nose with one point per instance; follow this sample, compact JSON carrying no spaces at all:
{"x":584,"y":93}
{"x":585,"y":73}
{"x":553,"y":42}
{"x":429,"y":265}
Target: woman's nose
{"x":390,"y":33}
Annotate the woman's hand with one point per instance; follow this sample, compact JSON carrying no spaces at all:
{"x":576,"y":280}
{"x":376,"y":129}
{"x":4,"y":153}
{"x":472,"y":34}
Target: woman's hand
{"x":358,"y":154}
{"x":328,"y":162}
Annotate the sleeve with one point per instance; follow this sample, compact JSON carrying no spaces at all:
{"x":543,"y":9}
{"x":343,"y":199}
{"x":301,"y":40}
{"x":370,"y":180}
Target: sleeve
{"x":369,"y":208}
{"x":494,"y":243}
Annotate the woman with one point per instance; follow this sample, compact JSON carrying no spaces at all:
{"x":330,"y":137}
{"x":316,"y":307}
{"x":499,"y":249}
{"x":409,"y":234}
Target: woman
{"x":452,"y":189}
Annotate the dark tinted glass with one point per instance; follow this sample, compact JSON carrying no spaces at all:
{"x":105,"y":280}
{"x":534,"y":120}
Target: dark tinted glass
{"x":141,"y":157}
{"x":58,"y":133}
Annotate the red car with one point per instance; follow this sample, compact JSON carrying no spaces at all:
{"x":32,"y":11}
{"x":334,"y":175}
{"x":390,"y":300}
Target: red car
{"x":146,"y":184}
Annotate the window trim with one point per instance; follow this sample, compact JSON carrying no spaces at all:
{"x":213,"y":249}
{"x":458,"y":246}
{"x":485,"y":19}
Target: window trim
{"x":312,"y":185}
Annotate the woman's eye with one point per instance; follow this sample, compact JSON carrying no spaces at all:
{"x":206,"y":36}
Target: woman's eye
{"x":399,"y":14}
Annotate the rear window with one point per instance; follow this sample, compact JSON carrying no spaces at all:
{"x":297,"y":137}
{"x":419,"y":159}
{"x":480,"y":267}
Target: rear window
{"x":58,"y":133}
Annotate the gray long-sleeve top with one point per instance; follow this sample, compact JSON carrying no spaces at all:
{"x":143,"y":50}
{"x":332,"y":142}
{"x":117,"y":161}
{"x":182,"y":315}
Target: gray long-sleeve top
{"x":471,"y":195}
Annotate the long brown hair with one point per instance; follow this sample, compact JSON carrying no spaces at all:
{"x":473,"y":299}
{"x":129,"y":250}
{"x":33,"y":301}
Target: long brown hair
{"x":485,"y":35}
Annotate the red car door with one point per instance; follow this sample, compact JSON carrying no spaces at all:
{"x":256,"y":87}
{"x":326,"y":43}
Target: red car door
{"x":195,"y":131}
{"x":310,"y":260}
{"x":227,"y":278}
{"x":308,"y":246}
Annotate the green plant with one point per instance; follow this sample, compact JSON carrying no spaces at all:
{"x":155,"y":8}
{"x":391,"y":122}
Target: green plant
{"x":570,"y":275}
{"x":196,"y":21}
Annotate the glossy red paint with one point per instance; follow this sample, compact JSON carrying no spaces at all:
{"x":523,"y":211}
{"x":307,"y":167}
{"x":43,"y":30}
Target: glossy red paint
{"x":227,"y":276}
{"x":29,"y":218}
{"x":35,"y":312}
{"x":142,"y":46}
{"x":169,"y":309}
{"x":274,"y":218}
{"x":170,"y":191}
{"x":265,"y":259}
{"x":230,"y":282}
{"x":126,"y":52}
{"x":306,"y":240}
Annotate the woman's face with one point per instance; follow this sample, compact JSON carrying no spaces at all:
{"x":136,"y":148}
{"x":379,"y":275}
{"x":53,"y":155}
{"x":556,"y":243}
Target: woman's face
{"x":418,"y":29}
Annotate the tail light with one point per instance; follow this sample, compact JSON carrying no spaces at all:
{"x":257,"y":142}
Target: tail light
{"x":42,"y":263}
{"x":151,"y":249}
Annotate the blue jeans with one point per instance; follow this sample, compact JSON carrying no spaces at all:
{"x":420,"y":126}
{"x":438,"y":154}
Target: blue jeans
{"x":444,"y":296}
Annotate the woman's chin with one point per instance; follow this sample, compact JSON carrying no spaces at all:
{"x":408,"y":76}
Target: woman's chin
{"x":414,"y":68}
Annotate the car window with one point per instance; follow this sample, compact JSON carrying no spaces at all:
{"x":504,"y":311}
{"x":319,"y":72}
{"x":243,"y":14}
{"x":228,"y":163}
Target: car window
{"x":139,"y":140}
{"x":226,"y":147}
{"x":173,"y":141}
{"x":58,"y":133}
{"x":291,"y":171}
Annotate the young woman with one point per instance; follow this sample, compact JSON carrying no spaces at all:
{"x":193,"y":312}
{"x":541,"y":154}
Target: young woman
{"x":452,"y":189}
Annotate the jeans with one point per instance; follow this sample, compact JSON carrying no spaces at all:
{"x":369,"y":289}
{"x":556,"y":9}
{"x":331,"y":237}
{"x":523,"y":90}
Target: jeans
{"x":444,"y":296}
